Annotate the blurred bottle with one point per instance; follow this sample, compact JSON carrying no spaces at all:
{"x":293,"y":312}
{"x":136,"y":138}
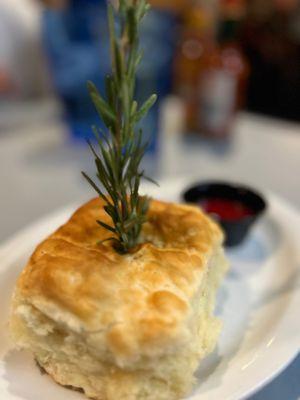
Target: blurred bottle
{"x":223,"y":79}
{"x":197,"y":39}
{"x":21,"y":61}
{"x":210,"y":69}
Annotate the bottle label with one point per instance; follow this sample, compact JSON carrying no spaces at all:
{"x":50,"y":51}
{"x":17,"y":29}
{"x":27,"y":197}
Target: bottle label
{"x":217,"y":99}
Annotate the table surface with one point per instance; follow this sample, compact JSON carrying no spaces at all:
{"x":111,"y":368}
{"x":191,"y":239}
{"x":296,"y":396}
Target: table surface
{"x":40,"y":171}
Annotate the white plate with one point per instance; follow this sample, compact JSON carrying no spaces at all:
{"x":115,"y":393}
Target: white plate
{"x":259,"y":304}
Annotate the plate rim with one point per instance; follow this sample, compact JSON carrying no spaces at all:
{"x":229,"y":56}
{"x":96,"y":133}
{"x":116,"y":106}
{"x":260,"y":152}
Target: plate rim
{"x":62,"y":213}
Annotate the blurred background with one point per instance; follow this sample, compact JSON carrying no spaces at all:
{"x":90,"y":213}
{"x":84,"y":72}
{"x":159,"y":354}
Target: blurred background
{"x":228,"y":77}
{"x":227,"y":73}
{"x":218,"y":56}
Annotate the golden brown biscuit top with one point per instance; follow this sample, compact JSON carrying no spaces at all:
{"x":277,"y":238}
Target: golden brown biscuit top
{"x":136,"y":304}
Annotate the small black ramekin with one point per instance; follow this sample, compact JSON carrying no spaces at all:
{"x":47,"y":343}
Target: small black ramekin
{"x":236,"y":230}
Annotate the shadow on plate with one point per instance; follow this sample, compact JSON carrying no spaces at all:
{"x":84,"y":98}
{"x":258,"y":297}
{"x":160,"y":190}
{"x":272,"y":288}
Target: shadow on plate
{"x":285,"y":279}
{"x":263,"y":242}
{"x":235,"y":316}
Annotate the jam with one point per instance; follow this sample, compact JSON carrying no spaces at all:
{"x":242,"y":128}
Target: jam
{"x":226,"y":209}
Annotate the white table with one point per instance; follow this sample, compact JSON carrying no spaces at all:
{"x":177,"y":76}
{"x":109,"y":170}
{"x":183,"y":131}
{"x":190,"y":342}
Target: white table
{"x":40,"y":171}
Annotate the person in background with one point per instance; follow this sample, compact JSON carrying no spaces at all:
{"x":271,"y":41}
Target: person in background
{"x":76,"y":40}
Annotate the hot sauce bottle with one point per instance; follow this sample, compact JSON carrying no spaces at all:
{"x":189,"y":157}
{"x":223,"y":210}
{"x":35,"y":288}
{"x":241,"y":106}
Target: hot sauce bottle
{"x":222,"y":83}
{"x":197,"y":36}
{"x":223,"y":77}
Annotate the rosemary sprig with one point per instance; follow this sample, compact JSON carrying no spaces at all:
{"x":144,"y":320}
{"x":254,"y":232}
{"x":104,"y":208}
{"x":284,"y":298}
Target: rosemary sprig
{"x":121,"y":148}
